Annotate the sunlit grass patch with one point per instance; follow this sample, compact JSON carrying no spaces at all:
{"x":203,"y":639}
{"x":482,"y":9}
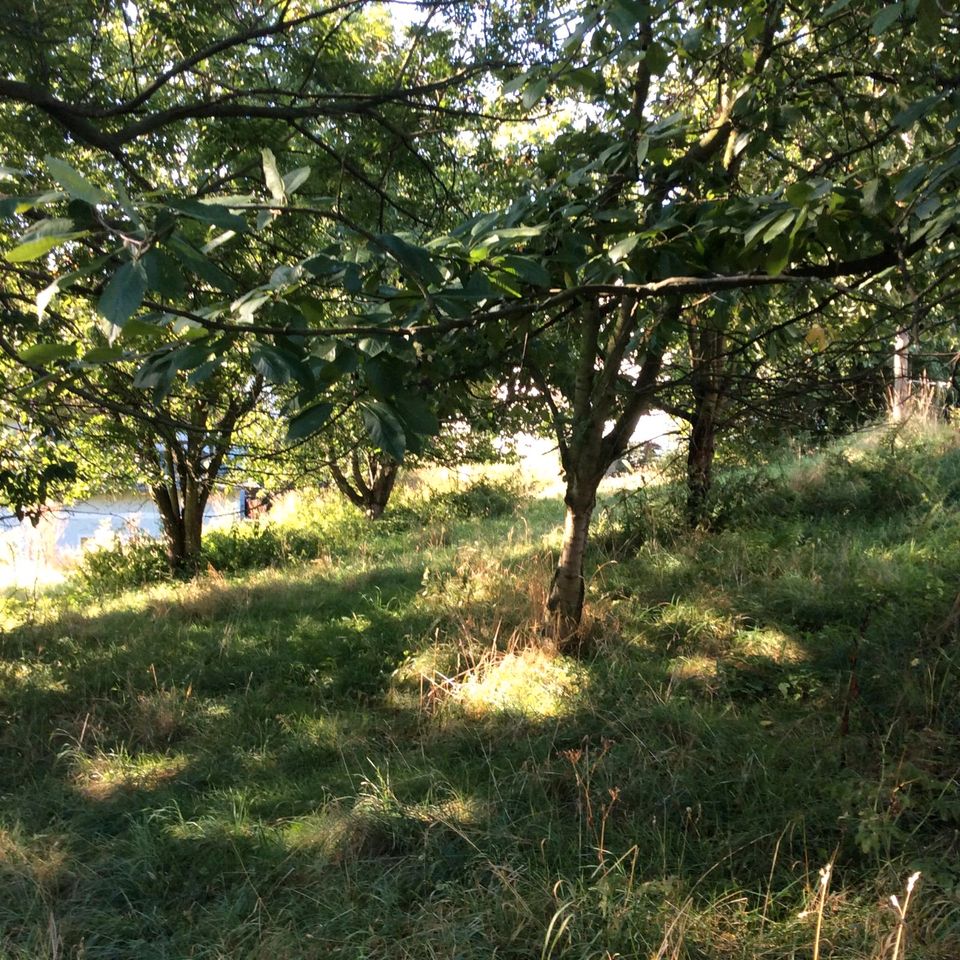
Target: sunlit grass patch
{"x":530,"y":683}
{"x":699,"y":625}
{"x":770,"y":642}
{"x":103,"y":776}
{"x":699,"y":669}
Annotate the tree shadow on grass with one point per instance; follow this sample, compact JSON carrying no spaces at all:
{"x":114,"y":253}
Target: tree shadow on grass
{"x":237,"y":772}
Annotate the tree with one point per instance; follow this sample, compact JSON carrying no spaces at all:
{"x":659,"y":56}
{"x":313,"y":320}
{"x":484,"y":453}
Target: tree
{"x":786,"y":148}
{"x":688,"y":195}
{"x":148,"y":270}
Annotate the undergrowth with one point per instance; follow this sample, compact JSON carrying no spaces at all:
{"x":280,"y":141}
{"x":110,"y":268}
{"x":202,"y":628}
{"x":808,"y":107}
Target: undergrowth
{"x":371,"y":754}
{"x":322,"y":525}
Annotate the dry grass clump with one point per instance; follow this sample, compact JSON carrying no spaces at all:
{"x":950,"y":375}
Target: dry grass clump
{"x":203,"y":600}
{"x":159,"y":718}
{"x":41,"y":862}
{"x":491,"y":651}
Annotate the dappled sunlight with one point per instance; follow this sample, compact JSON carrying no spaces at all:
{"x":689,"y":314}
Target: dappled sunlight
{"x":107,"y":776}
{"x":37,"y":676}
{"x":479,"y":576}
{"x":705,"y":625}
{"x":770,"y":642}
{"x":392,"y":729}
{"x":530,"y":683}
{"x":378,"y":824}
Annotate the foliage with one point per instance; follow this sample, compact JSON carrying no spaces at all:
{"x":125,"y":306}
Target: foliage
{"x":125,"y":565}
{"x":481,"y":499}
{"x":320,"y":527}
{"x":686,"y":246}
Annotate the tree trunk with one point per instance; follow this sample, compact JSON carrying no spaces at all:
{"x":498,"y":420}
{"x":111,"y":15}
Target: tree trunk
{"x":900,"y":401}
{"x":382,"y":487}
{"x":182,"y":528}
{"x":708,"y":381}
{"x":565,"y":601}
{"x":371,"y":493}
{"x":194,"y":502}
{"x":588,"y":444}
{"x":700,"y":454}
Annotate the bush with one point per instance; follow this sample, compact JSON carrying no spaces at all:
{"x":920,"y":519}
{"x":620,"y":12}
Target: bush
{"x":484,"y":499}
{"x":635,"y":517}
{"x":320,"y":527}
{"x":128,"y":563}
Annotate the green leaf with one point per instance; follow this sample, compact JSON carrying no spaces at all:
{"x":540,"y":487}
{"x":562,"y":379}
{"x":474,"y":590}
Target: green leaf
{"x":48,"y":293}
{"x":164,"y":274}
{"x":779,"y":255}
{"x":666,"y":123}
{"x":759,"y":226}
{"x":872,"y":196}
{"x":214,"y":213}
{"x":42,"y":353}
{"x":272,"y":176}
{"x":43,"y":237}
{"x":417,"y":416}
{"x":204,"y":371}
{"x":294,"y":179}
{"x":624,"y":248}
{"x":385,"y":374}
{"x":274,"y":364}
{"x":157,"y":373}
{"x":799,"y":193}
{"x":372,"y":346}
{"x":643,"y":145}
{"x":527,"y":269}
{"x":928,"y":20}
{"x":910,"y":180}
{"x":324,"y":267}
{"x":196,"y":262}
{"x":73,"y":182}
{"x":512,"y":86}
{"x":34,"y":249}
{"x":778,"y":226}
{"x":907,"y":117}
{"x":514,"y":233}
{"x":124,"y":293}
{"x":754,"y":28}
{"x":885,"y":18}
{"x":385,"y":429}
{"x":532,"y":94}
{"x":413,"y":259}
{"x":307,"y":422}
{"x":103,"y":355}
{"x":657,"y":60}
{"x":11,"y":205}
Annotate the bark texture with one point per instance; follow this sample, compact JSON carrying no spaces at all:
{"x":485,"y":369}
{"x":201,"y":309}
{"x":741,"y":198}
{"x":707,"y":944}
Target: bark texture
{"x":708,"y":383}
{"x":370,"y":484}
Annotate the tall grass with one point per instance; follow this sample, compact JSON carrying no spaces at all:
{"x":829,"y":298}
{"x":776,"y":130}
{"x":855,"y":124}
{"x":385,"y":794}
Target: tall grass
{"x":370,"y":753}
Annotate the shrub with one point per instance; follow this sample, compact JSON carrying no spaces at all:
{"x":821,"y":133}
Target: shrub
{"x":483,"y":499}
{"x":128,"y":563}
{"x":632,"y":518}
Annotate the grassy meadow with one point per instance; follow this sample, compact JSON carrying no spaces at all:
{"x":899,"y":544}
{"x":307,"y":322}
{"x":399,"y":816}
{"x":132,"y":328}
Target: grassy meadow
{"x":347,"y":740}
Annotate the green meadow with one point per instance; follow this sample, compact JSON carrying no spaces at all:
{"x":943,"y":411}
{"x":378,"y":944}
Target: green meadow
{"x":353,"y":740}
